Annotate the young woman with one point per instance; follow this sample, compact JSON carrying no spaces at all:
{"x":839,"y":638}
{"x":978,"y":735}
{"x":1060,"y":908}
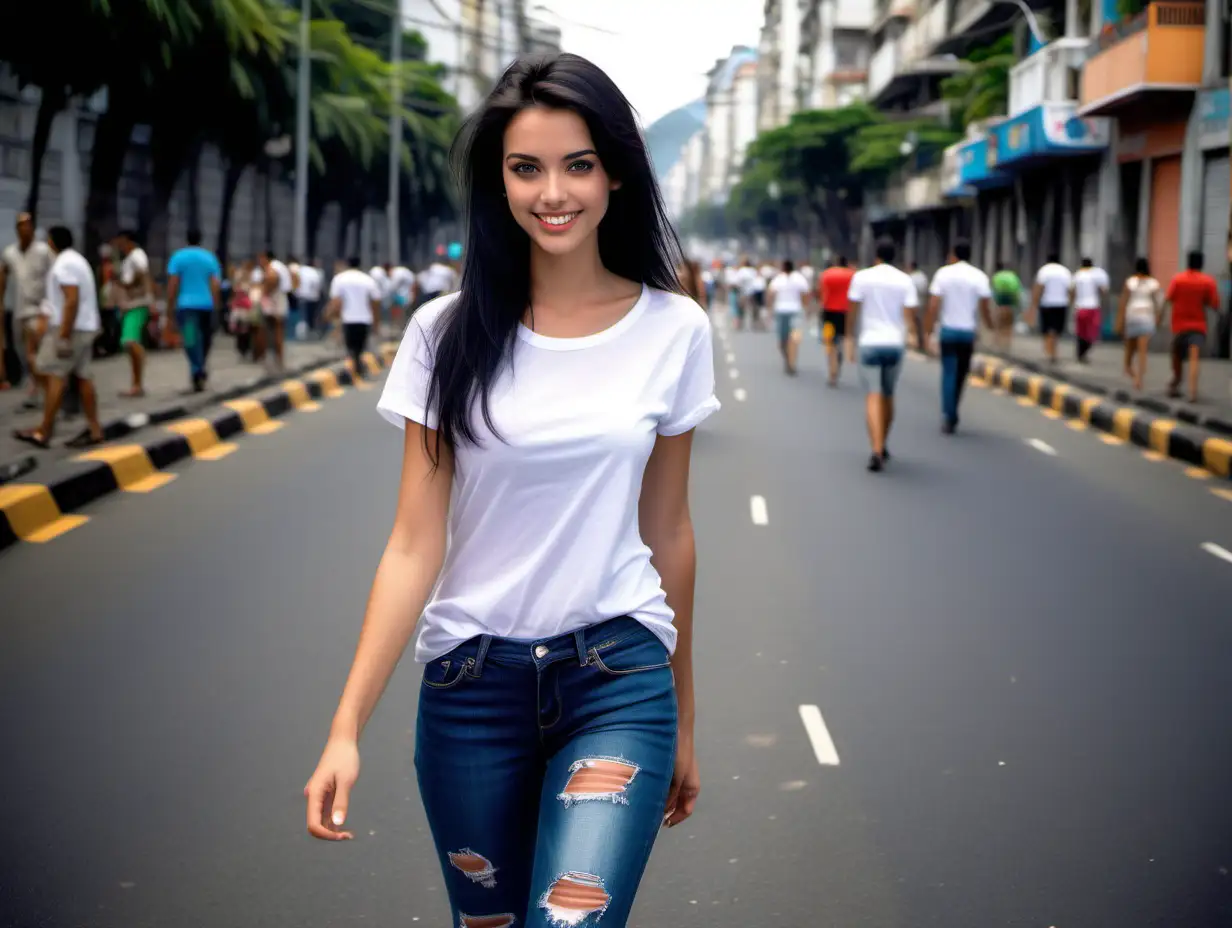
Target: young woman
{"x":1141,"y":303}
{"x":548,"y":407}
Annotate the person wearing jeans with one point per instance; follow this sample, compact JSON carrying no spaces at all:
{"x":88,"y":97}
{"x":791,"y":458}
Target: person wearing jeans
{"x":960,"y":295}
{"x":194,"y":291}
{"x":542,"y":541}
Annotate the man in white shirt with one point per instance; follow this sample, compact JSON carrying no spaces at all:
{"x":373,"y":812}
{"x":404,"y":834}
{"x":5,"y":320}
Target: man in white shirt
{"x":437,"y":279}
{"x":1090,"y":286}
{"x":355,"y":298}
{"x":882,"y":302}
{"x":308,"y":283}
{"x":961,"y":296}
{"x":26,"y":262}
{"x":789,"y":291}
{"x":276,"y":284}
{"x":136,"y":299}
{"x":402,"y":287}
{"x":67,"y":346}
{"x":1050,"y":299}
{"x":749,"y":283}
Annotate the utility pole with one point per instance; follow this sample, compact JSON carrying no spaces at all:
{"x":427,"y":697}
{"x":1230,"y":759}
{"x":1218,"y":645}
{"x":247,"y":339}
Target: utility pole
{"x":395,"y":139}
{"x":299,"y":237}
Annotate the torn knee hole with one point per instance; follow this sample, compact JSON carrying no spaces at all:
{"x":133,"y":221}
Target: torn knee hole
{"x":573,"y":898}
{"x":475,"y":867}
{"x":487,"y":921}
{"x":598,"y":778}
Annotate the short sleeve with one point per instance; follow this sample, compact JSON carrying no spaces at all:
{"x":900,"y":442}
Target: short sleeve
{"x":855,"y":290}
{"x":694,"y":400}
{"x":406,"y":387}
{"x":333,"y":289}
{"x":984,"y":289}
{"x":935,"y":287}
{"x":911,"y":298}
{"x":1171,"y":294}
{"x":1039,"y":277}
{"x":215,"y":268}
{"x":173,"y":266}
{"x":374,"y":290}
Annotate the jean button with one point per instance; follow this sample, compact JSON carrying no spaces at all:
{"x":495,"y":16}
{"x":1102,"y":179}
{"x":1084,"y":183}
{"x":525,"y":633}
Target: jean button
{"x":541,"y":651}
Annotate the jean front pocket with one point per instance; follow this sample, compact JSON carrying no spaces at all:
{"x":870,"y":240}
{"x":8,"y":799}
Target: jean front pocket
{"x":634,"y":653}
{"x":446,"y":672}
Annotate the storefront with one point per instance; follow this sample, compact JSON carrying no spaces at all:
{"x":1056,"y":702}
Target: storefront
{"x":975,"y":180}
{"x":1212,"y":114}
{"x":1150,"y":156}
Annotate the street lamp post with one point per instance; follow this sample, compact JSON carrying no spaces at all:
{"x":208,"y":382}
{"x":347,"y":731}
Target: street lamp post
{"x":395,"y":139}
{"x":299,"y":237}
{"x":1029,"y":15}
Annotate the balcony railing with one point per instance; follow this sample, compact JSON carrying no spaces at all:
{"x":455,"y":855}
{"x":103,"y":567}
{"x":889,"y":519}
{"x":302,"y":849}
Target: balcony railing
{"x":1048,"y":76}
{"x":1163,"y":13}
{"x":881,"y":67}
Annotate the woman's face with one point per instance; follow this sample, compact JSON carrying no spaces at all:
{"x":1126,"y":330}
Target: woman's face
{"x":556,"y":186}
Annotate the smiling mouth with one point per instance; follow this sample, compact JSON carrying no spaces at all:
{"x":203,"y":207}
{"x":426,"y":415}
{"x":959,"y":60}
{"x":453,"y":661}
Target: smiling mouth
{"x":557,"y":221}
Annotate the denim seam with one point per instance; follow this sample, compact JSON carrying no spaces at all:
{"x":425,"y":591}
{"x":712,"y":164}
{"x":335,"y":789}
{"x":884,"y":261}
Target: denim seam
{"x":596,"y":659}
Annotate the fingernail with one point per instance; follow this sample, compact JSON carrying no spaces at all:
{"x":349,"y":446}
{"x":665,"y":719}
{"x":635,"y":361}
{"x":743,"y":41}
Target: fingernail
{"x":339,"y":818}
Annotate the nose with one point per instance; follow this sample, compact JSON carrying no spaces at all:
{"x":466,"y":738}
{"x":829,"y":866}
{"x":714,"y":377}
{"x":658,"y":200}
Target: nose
{"x":553,"y":191}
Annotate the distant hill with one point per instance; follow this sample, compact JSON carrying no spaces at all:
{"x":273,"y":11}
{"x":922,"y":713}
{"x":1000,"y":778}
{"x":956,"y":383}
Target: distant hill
{"x":668,"y":134}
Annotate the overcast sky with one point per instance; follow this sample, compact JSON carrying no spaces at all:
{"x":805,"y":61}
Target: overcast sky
{"x":661,"y":49}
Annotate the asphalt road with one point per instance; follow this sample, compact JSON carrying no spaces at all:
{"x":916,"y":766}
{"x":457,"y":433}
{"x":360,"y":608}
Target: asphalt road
{"x":1021,"y":660}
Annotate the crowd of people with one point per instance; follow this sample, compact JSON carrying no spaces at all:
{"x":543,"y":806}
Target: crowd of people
{"x":65,"y":313}
{"x":877,"y":312}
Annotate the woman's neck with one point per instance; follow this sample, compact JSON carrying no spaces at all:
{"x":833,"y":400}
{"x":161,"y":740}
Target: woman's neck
{"x":566,"y":279}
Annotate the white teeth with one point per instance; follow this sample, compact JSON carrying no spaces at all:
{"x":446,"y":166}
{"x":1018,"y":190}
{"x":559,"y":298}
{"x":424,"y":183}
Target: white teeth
{"x":559,"y":220}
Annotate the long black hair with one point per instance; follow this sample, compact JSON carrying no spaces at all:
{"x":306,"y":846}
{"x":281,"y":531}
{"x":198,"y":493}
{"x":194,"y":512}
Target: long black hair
{"x":636,"y":241}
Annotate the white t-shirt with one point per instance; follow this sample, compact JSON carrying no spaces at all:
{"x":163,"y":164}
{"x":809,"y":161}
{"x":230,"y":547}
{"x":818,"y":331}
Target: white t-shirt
{"x":356,"y":291}
{"x":438,"y":278}
{"x":883,"y":292}
{"x":401,"y":282}
{"x":749,"y":281}
{"x":731,"y":277}
{"x":1088,"y":282}
{"x":310,"y":280}
{"x":961,"y":286}
{"x":543,"y":521}
{"x":1143,"y":303}
{"x":28,"y":271}
{"x":382,"y":279}
{"x":1056,"y":281}
{"x":284,"y":275}
{"x":789,"y":292}
{"x":71,"y":269}
{"x":135,"y":264}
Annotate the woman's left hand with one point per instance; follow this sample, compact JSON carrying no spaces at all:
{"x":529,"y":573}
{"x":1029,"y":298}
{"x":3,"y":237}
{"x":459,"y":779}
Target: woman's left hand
{"x":686,"y":784}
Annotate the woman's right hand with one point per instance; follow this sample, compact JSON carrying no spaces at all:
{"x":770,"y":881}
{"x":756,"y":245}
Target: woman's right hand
{"x":329,"y":790}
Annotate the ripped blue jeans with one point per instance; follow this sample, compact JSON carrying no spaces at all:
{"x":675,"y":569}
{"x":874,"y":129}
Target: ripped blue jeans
{"x":544,"y":768}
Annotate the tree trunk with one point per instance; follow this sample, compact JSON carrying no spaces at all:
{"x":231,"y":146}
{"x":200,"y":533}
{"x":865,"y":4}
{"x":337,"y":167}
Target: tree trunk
{"x":230,"y":184}
{"x":111,"y":141}
{"x":194,"y":193}
{"x":51,"y":103}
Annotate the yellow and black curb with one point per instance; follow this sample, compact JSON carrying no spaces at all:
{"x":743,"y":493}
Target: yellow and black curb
{"x":1155,"y":432}
{"x":42,"y":510}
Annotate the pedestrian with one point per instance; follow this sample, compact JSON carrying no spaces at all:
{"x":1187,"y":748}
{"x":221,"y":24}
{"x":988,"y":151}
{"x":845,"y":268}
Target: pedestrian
{"x":883,"y":302}
{"x":309,"y":285}
{"x":960,"y":295}
{"x":436,"y":279}
{"x":355,"y":300}
{"x":136,"y":293}
{"x":555,"y":733}
{"x":26,"y":262}
{"x":689,"y":273}
{"x":1007,"y":295}
{"x":920,"y":278}
{"x":748,"y":281}
{"x":194,"y":296}
{"x":1090,"y":286}
{"x":835,"y":286}
{"x":67,"y":347}
{"x":1137,"y":318}
{"x":402,"y":287}
{"x":789,"y":294}
{"x":1189,"y":296}
{"x":1050,"y":299}
{"x":276,"y":284}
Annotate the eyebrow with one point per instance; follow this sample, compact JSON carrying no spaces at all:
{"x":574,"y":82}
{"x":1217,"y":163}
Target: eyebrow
{"x":569,"y":157}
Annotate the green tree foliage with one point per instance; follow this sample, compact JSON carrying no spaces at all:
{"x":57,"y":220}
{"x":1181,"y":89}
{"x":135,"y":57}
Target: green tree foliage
{"x":984,"y":89}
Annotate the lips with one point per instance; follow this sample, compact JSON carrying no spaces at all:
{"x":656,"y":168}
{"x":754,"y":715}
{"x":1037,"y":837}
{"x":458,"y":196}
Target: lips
{"x":557,"y":222}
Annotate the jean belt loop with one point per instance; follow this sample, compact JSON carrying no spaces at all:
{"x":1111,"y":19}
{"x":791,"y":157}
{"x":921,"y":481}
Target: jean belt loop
{"x":579,"y":638}
{"x":484,"y":642}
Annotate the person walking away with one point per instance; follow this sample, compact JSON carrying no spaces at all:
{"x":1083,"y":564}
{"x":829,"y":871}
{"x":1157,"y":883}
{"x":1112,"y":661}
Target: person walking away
{"x":921,"y":281}
{"x":835,"y":286}
{"x":67,"y":347}
{"x":1189,"y":295}
{"x":1137,"y":318}
{"x":708,"y":286}
{"x":883,"y":303}
{"x":136,"y":288}
{"x":747,"y":280}
{"x":1090,"y":286}
{"x":402,"y":285}
{"x":436,"y":279}
{"x":1007,"y":295}
{"x":309,"y":283}
{"x":26,"y":262}
{"x":731,"y":291}
{"x":1050,"y":299}
{"x":959,"y":296}
{"x":275,"y":285}
{"x":789,"y":293}
{"x":355,"y":299}
{"x":555,"y":735}
{"x":194,"y":295}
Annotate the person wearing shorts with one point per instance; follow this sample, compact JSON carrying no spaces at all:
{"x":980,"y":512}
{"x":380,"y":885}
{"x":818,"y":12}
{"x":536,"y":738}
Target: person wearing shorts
{"x":275,"y":285}
{"x":788,"y":292}
{"x":1050,"y":301}
{"x":835,"y":284}
{"x":1189,"y":295}
{"x":68,"y":344}
{"x":1138,"y":317}
{"x":883,"y":302}
{"x":355,"y":298}
{"x":136,"y":297}
{"x":1007,"y":295}
{"x":26,"y":262}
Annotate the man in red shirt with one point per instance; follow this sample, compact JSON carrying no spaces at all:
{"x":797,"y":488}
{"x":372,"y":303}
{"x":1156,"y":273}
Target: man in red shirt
{"x":835,"y":283}
{"x":1189,"y":295}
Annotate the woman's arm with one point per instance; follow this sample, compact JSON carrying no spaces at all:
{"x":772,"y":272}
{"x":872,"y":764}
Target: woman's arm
{"x":404,"y":579}
{"x":1120,"y":319}
{"x":667,"y":528}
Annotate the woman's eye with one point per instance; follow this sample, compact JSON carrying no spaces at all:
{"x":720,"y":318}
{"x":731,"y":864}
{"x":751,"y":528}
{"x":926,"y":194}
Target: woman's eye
{"x":581,"y":166}
{"x":524,"y":168}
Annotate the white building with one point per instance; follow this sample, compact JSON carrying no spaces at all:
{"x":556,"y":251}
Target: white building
{"x":731,"y":108}
{"x":779,"y":62}
{"x":836,"y":45}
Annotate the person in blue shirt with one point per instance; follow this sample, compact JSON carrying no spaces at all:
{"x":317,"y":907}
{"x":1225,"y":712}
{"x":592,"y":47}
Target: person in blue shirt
{"x":194,"y":293}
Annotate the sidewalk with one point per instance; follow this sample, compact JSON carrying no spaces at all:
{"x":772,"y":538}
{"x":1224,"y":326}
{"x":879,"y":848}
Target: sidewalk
{"x":1105,"y":375}
{"x":167,"y":396}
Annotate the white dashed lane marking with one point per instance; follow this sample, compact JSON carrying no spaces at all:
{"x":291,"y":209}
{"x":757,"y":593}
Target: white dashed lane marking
{"x":757,"y":509}
{"x":731,"y":356}
{"x":1217,"y":550}
{"x":1041,"y":446}
{"x":734,"y":373}
{"x":740,"y":394}
{"x":819,"y":736}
